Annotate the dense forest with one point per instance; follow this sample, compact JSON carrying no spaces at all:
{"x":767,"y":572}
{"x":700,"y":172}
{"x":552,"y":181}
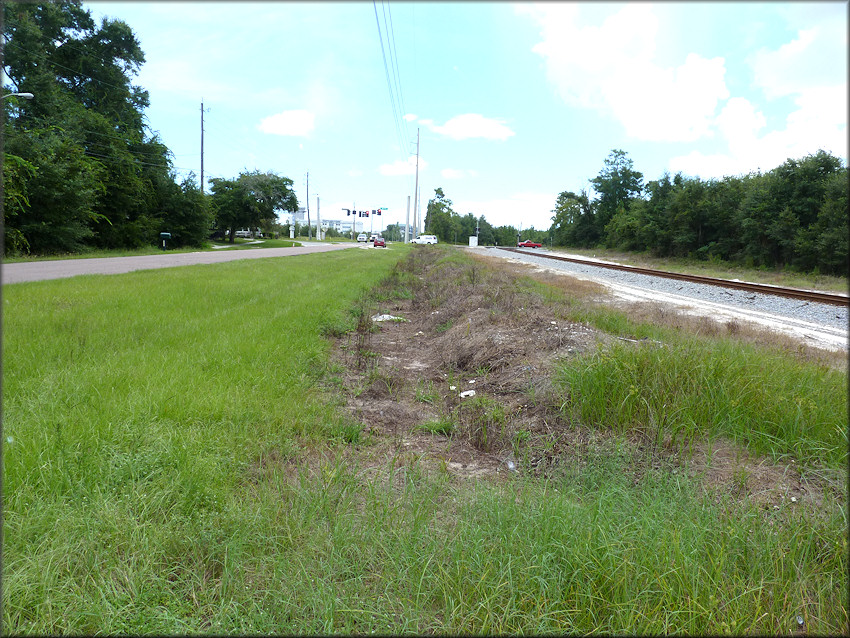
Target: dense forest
{"x":792,"y":216}
{"x":81,"y":168}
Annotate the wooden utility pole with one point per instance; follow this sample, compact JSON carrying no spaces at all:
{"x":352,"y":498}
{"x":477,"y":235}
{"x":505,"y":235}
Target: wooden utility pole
{"x":309,"y":227}
{"x":407,"y":222}
{"x":202,"y":146}
{"x":416,"y":212}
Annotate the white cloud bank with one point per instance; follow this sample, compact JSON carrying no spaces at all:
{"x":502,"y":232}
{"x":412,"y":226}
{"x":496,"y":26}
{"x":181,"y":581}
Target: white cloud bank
{"x":468,"y":126}
{"x":457,"y":173}
{"x":524,"y":209}
{"x":803,"y":69}
{"x":296,"y":123}
{"x":473,"y":125}
{"x":402,"y":167}
{"x":612,"y":67}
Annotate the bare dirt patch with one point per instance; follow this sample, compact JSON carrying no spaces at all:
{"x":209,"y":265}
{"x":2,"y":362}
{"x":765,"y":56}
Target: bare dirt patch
{"x":460,"y":381}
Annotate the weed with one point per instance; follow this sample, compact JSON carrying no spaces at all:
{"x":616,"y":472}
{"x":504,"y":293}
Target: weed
{"x":443,"y":327}
{"x":482,"y":420}
{"x":442,"y":426}
{"x":427,"y":393}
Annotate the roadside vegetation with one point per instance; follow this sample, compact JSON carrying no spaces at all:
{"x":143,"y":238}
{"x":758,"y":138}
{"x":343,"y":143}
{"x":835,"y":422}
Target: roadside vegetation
{"x":240,"y":448}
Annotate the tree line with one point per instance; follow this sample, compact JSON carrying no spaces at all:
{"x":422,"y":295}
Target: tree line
{"x":81,"y":169}
{"x":794,"y":215}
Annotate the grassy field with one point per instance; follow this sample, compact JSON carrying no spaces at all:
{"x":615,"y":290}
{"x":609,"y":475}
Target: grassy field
{"x":176,"y":461}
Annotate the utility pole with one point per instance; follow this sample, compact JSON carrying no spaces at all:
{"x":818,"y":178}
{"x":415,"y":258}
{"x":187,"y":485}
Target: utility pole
{"x":309,"y":227}
{"x":318,"y":220}
{"x":202,"y":146}
{"x":416,"y":191}
{"x":407,"y":221}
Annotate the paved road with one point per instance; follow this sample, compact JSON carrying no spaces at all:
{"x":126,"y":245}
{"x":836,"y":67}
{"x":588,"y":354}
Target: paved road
{"x":58,"y":269}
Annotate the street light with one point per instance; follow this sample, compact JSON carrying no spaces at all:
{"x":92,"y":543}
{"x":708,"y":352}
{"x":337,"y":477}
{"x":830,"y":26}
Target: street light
{"x":27,"y":96}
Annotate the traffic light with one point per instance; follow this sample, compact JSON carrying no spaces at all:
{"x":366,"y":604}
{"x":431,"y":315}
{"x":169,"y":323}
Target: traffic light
{"x":347,"y":211}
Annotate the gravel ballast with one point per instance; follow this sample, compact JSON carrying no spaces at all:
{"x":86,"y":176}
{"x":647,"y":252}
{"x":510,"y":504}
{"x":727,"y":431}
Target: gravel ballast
{"x":827,"y":315}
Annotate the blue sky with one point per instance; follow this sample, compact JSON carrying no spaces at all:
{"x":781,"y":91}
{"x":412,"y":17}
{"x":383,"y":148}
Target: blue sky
{"x":514,"y":103}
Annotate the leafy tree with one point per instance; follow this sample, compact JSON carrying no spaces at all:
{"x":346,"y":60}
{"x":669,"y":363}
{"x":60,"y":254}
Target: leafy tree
{"x":574,"y":220}
{"x":186,"y":213}
{"x":101,"y":177}
{"x":438,"y":216}
{"x":16,"y":171}
{"x":250,"y":200}
{"x":505,"y":235}
{"x":617,"y":185}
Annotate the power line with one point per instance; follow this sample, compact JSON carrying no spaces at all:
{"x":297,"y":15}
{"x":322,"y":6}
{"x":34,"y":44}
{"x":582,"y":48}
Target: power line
{"x":394,"y":56}
{"x":393,"y":105}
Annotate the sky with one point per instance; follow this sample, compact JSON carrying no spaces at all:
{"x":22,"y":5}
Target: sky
{"x":512,"y":104}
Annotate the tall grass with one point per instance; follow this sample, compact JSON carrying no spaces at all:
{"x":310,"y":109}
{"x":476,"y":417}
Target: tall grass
{"x":695,"y":387}
{"x":134,"y":406}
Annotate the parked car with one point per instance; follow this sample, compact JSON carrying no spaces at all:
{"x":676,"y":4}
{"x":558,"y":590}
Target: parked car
{"x":379,"y":242}
{"x":425,"y":239}
{"x":361,"y":237}
{"x":529,"y":244}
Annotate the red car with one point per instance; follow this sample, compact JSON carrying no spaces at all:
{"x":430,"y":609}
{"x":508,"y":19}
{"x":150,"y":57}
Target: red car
{"x":528,"y":244}
{"x":379,"y":241}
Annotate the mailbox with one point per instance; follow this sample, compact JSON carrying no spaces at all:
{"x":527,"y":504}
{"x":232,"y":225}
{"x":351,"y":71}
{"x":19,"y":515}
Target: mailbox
{"x":163,"y":237}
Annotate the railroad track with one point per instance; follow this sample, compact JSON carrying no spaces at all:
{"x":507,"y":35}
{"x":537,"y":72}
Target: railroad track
{"x":794,"y":293}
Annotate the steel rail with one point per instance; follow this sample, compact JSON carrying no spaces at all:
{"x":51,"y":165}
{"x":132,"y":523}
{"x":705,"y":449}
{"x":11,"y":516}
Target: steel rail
{"x":766,"y":289}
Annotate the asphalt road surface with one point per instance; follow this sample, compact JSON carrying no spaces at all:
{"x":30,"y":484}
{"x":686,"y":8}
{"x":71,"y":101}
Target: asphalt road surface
{"x":58,"y":269}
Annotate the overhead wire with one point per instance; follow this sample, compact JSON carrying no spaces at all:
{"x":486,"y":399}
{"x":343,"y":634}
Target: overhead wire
{"x":394,"y":57}
{"x":395,"y":108}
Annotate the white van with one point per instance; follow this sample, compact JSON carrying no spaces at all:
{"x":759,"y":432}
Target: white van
{"x":425,"y":239}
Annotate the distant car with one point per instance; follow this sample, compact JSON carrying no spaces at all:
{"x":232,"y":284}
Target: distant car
{"x":361,"y":237}
{"x":379,"y":242}
{"x":529,"y":244}
{"x":425,"y":239}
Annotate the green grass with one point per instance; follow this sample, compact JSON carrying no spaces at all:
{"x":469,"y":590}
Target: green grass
{"x":173,"y":463}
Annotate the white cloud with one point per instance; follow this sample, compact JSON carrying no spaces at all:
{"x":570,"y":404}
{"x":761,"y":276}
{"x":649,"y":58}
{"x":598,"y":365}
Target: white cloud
{"x":809,"y":128}
{"x":524,"y":209}
{"x":473,"y":125}
{"x":298,"y":122}
{"x":811,"y":70}
{"x":457,"y":173}
{"x":409,"y":117}
{"x":612,"y":67}
{"x":817,"y":57}
{"x":402,"y":167}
